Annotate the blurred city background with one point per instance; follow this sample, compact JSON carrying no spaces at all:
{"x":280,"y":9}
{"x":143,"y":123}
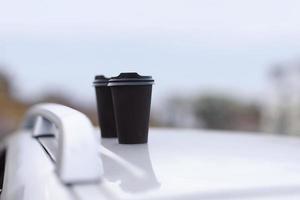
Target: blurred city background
{"x":229,"y":65}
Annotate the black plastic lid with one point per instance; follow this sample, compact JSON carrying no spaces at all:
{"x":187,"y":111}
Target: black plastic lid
{"x":130,"y":78}
{"x":101,"y":80}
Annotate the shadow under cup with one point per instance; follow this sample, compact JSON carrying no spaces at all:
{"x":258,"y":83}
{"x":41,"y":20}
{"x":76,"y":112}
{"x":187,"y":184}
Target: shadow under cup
{"x":105,"y":107}
{"x":131,"y":95}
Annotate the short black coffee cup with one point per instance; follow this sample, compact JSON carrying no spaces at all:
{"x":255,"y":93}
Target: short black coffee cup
{"x":132,"y":101}
{"x":105,"y":107}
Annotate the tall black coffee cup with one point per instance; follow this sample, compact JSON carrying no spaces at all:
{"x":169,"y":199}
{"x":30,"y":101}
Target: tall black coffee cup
{"x":105,"y":107}
{"x":132,"y":101}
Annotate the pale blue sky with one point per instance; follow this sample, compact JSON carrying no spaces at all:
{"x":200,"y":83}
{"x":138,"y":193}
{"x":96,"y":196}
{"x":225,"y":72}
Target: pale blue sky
{"x":185,"y":45}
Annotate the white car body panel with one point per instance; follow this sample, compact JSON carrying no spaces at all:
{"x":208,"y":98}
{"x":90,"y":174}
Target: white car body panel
{"x":175,"y":164}
{"x":29,"y":172}
{"x":191,"y":164}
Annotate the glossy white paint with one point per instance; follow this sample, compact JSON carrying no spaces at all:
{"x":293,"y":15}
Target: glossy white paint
{"x":76,"y":159}
{"x":175,"y":164}
{"x":191,"y":164}
{"x":29,"y":172}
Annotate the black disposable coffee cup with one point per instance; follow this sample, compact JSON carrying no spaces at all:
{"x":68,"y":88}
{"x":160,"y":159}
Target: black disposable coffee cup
{"x":132,"y":101}
{"x":105,"y":107}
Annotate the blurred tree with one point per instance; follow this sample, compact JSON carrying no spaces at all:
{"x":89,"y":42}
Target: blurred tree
{"x":11,"y":109}
{"x":5,"y":86}
{"x":221,"y":112}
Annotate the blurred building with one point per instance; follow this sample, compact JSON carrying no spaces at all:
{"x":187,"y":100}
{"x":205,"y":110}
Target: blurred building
{"x":282,"y":110}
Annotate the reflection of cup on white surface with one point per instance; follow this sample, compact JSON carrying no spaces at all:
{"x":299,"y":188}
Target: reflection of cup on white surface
{"x":131,"y":165}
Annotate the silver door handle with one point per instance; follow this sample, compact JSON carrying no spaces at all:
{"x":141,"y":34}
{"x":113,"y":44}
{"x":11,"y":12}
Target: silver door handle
{"x":77,"y":158}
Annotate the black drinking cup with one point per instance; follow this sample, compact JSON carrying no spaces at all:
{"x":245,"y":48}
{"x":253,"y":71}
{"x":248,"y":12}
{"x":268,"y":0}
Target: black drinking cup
{"x":132,"y":101}
{"x":105,"y":107}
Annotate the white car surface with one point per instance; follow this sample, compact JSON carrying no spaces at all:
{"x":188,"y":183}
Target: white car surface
{"x":175,"y":164}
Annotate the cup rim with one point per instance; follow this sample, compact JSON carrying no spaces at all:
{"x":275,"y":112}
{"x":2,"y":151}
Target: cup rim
{"x":100,"y":80}
{"x":130,"y":78}
{"x":129,"y":83}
